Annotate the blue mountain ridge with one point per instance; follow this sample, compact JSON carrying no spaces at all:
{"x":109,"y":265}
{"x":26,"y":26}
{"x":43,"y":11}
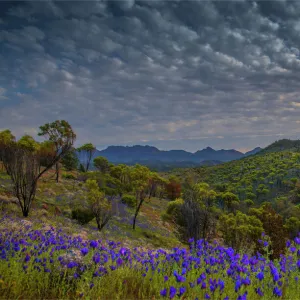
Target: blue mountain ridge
{"x":138,"y":153}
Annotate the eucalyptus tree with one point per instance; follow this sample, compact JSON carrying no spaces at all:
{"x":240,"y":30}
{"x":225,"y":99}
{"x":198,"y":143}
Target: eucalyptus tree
{"x":6,"y":138}
{"x":87,"y":152}
{"x":197,"y":212}
{"x":100,"y":206}
{"x":23,"y":159}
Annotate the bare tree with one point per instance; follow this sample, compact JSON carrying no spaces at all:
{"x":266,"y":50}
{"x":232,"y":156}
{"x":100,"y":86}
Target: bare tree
{"x":23,"y":168}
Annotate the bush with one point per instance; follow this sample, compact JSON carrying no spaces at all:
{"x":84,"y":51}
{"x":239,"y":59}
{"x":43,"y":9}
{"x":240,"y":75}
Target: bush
{"x":173,"y":210}
{"x":173,"y":206}
{"x":68,"y":176}
{"x":109,"y":191}
{"x":83,"y":216}
{"x":129,"y":200}
{"x":83,"y":177}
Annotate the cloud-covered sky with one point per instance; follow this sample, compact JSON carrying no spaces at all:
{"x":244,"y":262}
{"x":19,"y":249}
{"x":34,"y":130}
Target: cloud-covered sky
{"x":172,"y":74}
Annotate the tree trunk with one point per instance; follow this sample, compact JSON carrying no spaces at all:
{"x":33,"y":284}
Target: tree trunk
{"x":136,"y":213}
{"x":134,"y":220}
{"x":57,"y":171}
{"x":100,"y":227}
{"x":25,"y":212}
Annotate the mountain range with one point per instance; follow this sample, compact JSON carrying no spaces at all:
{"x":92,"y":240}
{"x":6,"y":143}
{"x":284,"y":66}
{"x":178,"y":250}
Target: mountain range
{"x":151,"y":156}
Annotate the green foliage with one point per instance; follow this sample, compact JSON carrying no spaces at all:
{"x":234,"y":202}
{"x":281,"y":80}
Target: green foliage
{"x":60,"y":133}
{"x":101,"y":163}
{"x":197,"y":215}
{"x":27,"y":142}
{"x":69,"y":176}
{"x":23,"y":160}
{"x":281,"y":145}
{"x":292,"y":225}
{"x":261,"y":178}
{"x":93,"y":191}
{"x":173,"y":210}
{"x":240,"y":231}
{"x":83,"y":216}
{"x":129,"y":200}
{"x":70,"y":161}
{"x":88,"y":151}
{"x":6,"y":137}
{"x":100,"y":206}
{"x":273,"y":226}
{"x":249,"y":202}
{"x":230,"y":200}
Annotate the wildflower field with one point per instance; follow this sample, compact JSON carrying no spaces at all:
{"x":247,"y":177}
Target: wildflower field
{"x":48,"y":263}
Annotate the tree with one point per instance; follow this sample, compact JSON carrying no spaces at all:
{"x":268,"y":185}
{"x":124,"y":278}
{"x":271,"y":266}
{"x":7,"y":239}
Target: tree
{"x":70,"y":161}
{"x":23,"y":162}
{"x":6,"y":138}
{"x":273,"y":227}
{"x":240,"y":231}
{"x":173,"y":211}
{"x":101,"y":163}
{"x":230,"y":201}
{"x":173,"y":188}
{"x":100,"y":206}
{"x":28,"y":142}
{"x":155,"y":181}
{"x":197,"y":212}
{"x":87,"y":151}
{"x":139,"y":177}
{"x":46,"y":153}
{"x":122,"y":172}
{"x":60,"y":133}
{"x":292,"y":225}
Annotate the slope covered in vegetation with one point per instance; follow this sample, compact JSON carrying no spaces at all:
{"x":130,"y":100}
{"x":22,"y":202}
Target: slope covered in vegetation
{"x":111,"y":232}
{"x":267,"y":177}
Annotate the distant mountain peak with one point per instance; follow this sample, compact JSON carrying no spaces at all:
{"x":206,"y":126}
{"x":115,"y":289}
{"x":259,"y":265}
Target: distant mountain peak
{"x":253,"y":151}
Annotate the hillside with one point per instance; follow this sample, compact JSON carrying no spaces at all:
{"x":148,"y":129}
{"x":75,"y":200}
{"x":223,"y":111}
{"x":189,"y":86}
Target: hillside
{"x":158,"y":259}
{"x":282,"y":145}
{"x":55,"y":202}
{"x":261,"y":177}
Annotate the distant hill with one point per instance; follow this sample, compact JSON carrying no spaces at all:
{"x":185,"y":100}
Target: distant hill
{"x":254,"y":151}
{"x":283,"y":145}
{"x":150,"y":153}
{"x":162,"y":160}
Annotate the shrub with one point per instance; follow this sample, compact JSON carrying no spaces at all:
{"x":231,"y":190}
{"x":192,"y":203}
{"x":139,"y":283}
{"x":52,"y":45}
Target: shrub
{"x":83,"y":177}
{"x":68,"y":176}
{"x":129,"y":200}
{"x":109,"y":191}
{"x":173,"y":206}
{"x":173,"y":210}
{"x":83,"y":216}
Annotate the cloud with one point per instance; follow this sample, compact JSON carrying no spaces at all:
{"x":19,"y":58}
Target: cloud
{"x":157,"y":71}
{"x":2,"y":93}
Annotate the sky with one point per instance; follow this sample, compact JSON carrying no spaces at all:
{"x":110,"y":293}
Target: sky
{"x":171,"y":74}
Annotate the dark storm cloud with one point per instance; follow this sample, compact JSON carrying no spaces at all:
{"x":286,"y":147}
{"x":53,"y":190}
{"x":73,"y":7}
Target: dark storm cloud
{"x":224,"y":74}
